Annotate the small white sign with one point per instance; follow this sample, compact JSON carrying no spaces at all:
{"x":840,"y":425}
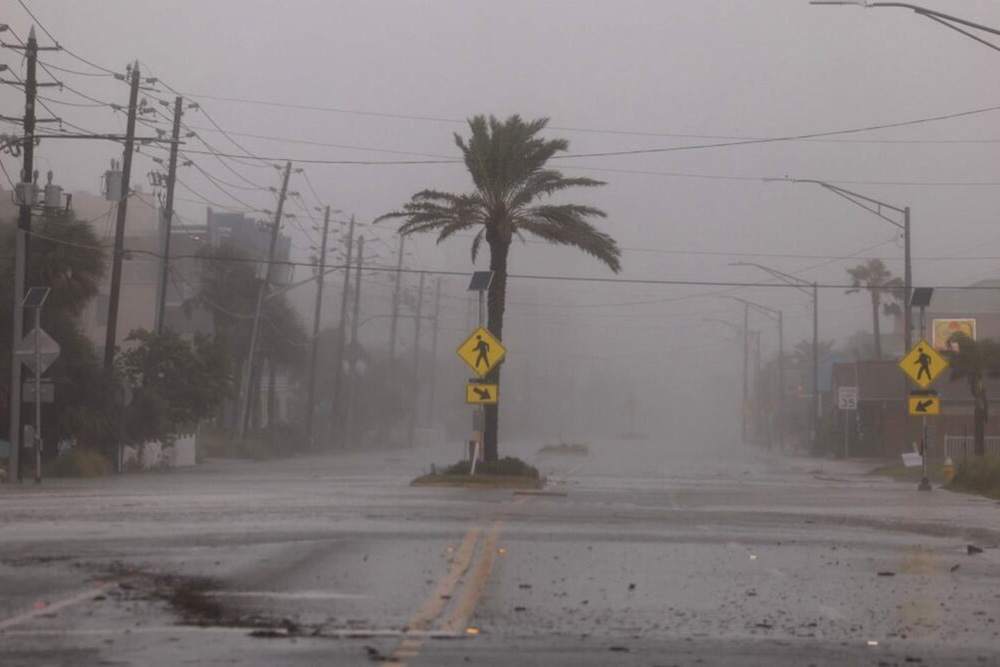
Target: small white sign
{"x":847,"y":398}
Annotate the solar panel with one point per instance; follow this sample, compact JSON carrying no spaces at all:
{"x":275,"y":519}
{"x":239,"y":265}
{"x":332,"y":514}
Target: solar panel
{"x":921,"y":297}
{"x":35,"y":297}
{"x":480,"y":281}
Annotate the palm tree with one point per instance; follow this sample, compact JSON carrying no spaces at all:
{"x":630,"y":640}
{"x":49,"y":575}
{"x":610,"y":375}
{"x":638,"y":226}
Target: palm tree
{"x":885,"y":290}
{"x":507,"y":163}
{"x":802,"y":354}
{"x":973,"y":360}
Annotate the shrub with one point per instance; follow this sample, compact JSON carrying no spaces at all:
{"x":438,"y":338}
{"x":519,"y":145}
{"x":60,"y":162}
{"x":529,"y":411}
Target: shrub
{"x":508,"y":466}
{"x":79,"y":462}
{"x":980,"y":476}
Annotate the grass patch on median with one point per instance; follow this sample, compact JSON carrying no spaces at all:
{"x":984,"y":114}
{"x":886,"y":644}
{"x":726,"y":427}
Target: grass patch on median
{"x":901,"y":473}
{"x":506,"y":473}
{"x":978,"y":476}
{"x":571,"y":448}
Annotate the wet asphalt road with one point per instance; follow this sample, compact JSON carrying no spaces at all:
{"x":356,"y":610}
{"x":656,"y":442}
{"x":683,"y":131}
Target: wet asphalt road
{"x":634,"y":555}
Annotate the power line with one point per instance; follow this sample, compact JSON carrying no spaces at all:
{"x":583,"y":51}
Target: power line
{"x":60,"y":46}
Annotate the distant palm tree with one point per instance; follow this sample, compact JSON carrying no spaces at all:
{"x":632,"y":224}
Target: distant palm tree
{"x":802,"y":354}
{"x":507,"y":163}
{"x":884,"y":289}
{"x":973,"y":361}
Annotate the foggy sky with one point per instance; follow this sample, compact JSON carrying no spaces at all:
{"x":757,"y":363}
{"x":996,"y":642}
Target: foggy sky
{"x":700,"y":67}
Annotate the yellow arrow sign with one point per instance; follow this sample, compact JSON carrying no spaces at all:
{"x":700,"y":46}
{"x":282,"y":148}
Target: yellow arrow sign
{"x":923,"y":364}
{"x":481,"y":351}
{"x":482,"y":394}
{"x":925,"y":405}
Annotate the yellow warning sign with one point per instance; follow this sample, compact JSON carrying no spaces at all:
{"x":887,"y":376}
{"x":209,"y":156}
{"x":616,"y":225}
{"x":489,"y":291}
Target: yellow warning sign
{"x":481,"y":351}
{"x":923,"y":364}
{"x":482,"y":394}
{"x":925,"y":405}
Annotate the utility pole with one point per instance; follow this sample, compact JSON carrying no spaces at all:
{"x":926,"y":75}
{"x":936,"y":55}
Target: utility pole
{"x":311,"y":401}
{"x":116,"y":260}
{"x":353,"y":353}
{"x":261,"y":291}
{"x":817,"y":411}
{"x":746,"y":365}
{"x":395,"y":309}
{"x":168,"y":213}
{"x":781,"y":381}
{"x":434,"y":345}
{"x":416,"y":360}
{"x":342,"y":325}
{"x":21,"y":255}
{"x":907,"y":283}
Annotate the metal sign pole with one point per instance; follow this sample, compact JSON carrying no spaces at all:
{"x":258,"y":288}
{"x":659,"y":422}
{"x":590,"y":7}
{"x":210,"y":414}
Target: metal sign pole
{"x":38,"y":396}
{"x":925,"y":484}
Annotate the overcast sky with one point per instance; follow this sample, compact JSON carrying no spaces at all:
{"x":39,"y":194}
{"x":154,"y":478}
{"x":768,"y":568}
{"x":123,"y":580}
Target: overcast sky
{"x":600,"y":70}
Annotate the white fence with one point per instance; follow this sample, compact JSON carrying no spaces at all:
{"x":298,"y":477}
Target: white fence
{"x":180,"y":455}
{"x":958,"y":447}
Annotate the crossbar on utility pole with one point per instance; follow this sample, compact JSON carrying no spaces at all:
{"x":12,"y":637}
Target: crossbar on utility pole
{"x":116,"y":261}
{"x":248,"y":372}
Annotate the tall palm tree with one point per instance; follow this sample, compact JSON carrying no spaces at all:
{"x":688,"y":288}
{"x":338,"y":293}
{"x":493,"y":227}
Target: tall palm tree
{"x":973,"y":361}
{"x":507,"y":163}
{"x":884,"y":289}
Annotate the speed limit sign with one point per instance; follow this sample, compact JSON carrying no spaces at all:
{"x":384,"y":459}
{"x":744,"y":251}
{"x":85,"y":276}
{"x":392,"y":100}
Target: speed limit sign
{"x":847,"y":398}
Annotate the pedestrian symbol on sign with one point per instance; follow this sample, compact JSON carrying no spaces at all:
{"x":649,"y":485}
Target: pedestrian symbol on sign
{"x":481,"y":351}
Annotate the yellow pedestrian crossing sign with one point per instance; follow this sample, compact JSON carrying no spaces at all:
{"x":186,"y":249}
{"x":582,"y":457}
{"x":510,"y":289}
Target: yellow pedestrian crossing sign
{"x":923,"y":364}
{"x":482,"y":394}
{"x":481,"y":351}
{"x":924,"y":404}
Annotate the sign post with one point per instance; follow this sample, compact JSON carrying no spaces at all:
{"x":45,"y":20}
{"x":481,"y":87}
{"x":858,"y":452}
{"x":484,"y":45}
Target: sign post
{"x":847,"y":400}
{"x":923,"y":364}
{"x":481,"y":352}
{"x":30,"y":353}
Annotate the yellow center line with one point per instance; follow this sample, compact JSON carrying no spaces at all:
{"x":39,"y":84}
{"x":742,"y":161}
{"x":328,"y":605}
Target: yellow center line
{"x":438,"y":599}
{"x":458,"y":619}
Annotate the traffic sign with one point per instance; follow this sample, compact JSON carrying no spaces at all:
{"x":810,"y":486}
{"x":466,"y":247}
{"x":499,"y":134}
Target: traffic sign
{"x":481,"y":351}
{"x":482,"y":394}
{"x":48,"y":350}
{"x":924,"y":404}
{"x":847,"y":398}
{"x":923,"y":364}
{"x":28,"y":392}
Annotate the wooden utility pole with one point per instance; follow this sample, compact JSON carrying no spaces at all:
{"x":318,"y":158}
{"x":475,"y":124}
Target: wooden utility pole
{"x":248,"y":389}
{"x":311,"y":400}
{"x":416,"y":360}
{"x":353,"y":353}
{"x":395,"y":310}
{"x":342,"y":325}
{"x":168,"y":213}
{"x":21,"y":255}
{"x":116,"y":260}
{"x":434,"y":344}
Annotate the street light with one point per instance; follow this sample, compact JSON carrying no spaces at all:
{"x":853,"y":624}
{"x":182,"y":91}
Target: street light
{"x":776,"y":316}
{"x":812,"y":291}
{"x":876,"y":207}
{"x":947,"y":20}
{"x":743,"y":331}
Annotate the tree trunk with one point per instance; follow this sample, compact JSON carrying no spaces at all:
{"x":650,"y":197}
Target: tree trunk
{"x":499,"y":250}
{"x":876,"y":328}
{"x":980,"y":417}
{"x":272,"y":385}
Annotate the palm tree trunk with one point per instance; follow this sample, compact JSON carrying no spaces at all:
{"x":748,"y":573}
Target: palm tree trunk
{"x":272,"y":386}
{"x":876,"y":328}
{"x":980,"y":419}
{"x":495,"y":308}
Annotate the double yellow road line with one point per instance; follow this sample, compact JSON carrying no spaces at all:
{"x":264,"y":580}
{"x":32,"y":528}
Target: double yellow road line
{"x":432,"y":612}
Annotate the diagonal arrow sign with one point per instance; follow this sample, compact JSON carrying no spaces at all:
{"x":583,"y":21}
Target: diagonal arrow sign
{"x":923,"y":405}
{"x":483,"y":394}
